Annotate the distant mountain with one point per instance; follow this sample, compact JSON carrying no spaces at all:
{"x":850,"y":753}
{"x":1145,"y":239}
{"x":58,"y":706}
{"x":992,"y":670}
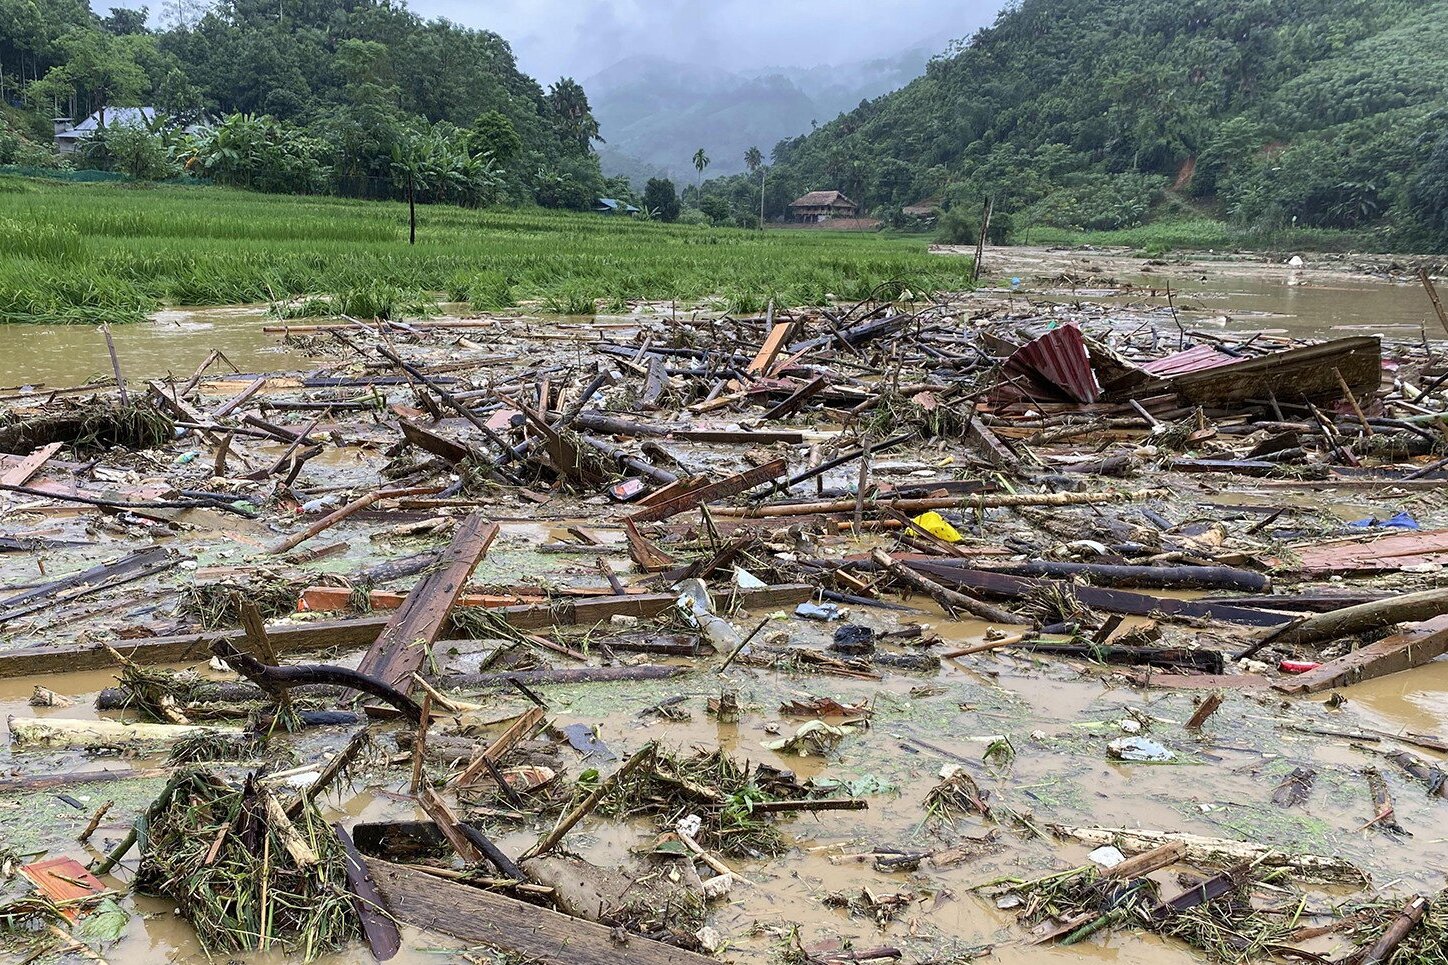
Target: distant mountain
{"x":655,"y":113}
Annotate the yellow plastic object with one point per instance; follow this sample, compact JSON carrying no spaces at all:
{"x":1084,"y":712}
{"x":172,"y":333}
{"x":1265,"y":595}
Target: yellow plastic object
{"x":937,"y":526}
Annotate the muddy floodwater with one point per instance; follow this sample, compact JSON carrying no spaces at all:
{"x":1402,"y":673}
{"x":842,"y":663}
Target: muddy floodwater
{"x":1031,"y":729}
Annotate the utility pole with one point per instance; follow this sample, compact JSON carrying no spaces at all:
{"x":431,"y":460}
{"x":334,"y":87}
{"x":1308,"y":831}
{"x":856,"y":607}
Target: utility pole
{"x":763,"y":173}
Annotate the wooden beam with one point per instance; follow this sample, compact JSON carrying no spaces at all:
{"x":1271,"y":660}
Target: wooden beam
{"x":508,"y":925}
{"x":438,"y":445}
{"x":294,"y":638}
{"x":404,"y":644}
{"x":1394,"y":654}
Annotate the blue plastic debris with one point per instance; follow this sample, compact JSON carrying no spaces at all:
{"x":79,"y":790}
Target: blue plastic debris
{"x":1400,"y":520}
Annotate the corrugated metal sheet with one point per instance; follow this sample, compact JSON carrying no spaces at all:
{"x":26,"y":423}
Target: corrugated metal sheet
{"x":1060,"y":357}
{"x":1197,"y":359}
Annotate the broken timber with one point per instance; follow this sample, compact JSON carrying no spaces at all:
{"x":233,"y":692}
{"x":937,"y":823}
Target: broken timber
{"x":1394,"y":654}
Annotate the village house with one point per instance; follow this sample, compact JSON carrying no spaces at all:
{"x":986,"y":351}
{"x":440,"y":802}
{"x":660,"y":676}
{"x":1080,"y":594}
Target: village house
{"x":823,"y":206}
{"x":68,"y":135}
{"x":615,"y":206}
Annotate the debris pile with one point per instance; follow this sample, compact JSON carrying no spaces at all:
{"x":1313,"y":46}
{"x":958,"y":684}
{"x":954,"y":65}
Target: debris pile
{"x":600,"y":623}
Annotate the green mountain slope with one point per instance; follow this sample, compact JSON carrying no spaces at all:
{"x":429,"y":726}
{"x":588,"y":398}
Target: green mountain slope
{"x":1318,"y":113}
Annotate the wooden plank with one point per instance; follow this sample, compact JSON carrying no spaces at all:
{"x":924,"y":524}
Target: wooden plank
{"x":296,"y":638}
{"x":430,"y":441}
{"x":1401,"y":651}
{"x":519,"y":730}
{"x":769,"y":351}
{"x":1381,"y":551}
{"x":316,"y":599}
{"x":728,"y":486}
{"x":404,"y":644}
{"x":797,"y":398}
{"x":508,"y":925}
{"x":980,"y":438}
{"x":1291,"y":376}
{"x":25,"y":470}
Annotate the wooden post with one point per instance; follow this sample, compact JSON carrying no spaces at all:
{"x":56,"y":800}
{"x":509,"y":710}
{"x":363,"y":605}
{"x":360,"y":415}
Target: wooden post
{"x":126,"y":399}
{"x":411,"y":211}
{"x":1433,"y":297}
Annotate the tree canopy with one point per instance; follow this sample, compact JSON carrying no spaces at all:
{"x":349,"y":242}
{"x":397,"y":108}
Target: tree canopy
{"x":361,"y":81}
{"x":1104,"y":113}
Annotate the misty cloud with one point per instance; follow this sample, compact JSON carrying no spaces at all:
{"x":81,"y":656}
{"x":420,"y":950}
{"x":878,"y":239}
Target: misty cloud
{"x":553,"y":38}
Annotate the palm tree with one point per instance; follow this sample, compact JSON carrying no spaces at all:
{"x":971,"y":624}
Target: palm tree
{"x":754,"y":160}
{"x":701,"y":161}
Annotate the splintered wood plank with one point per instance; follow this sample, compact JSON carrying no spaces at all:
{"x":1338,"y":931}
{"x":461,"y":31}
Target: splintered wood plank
{"x":728,"y":486}
{"x":63,"y":879}
{"x":25,"y":470}
{"x":517,"y":731}
{"x":403,"y":645}
{"x":506,"y":924}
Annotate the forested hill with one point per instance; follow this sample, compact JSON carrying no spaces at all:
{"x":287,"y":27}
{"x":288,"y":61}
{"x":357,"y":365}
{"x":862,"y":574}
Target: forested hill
{"x":323,"y":94}
{"x":1105,"y":113}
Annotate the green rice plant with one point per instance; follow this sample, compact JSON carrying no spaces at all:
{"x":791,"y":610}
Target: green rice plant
{"x":569,"y":299}
{"x":36,"y":240}
{"x":126,"y":253}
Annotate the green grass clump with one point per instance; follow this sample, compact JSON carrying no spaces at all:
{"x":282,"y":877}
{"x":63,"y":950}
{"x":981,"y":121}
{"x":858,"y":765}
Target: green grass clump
{"x":99,"y":252}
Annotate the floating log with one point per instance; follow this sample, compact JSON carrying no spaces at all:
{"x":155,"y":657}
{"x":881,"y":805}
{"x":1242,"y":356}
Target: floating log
{"x":569,"y":675}
{"x":1217,"y":851}
{"x":1153,"y":577}
{"x":1111,"y":601}
{"x":1350,"y":621}
{"x":943,"y":502}
{"x":67,"y":732}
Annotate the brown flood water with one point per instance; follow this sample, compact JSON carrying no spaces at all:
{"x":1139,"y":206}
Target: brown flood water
{"x":1318,"y":300}
{"x":175,"y":342}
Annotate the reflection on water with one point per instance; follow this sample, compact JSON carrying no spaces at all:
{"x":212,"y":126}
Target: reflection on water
{"x":175,"y":341}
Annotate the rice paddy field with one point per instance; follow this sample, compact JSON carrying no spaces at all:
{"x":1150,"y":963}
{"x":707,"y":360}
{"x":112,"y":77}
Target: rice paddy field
{"x":117,"y":252}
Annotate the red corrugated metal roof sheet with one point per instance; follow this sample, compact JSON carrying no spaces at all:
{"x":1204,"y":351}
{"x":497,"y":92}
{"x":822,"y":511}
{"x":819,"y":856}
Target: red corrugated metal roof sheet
{"x":1197,"y":359}
{"x":1061,"y":358}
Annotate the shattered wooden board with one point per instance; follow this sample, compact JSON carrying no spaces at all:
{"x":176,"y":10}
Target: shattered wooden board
{"x":62,"y":880}
{"x":1309,"y":372}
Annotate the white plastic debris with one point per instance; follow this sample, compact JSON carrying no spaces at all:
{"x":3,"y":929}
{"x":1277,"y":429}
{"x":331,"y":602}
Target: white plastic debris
{"x":1129,"y":726}
{"x":746,"y":580}
{"x":1107,"y":856}
{"x":689,"y":826}
{"x":1138,"y":749}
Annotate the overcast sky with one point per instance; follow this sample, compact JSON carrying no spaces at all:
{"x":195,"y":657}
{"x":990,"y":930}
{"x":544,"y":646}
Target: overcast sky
{"x":580,"y":37}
